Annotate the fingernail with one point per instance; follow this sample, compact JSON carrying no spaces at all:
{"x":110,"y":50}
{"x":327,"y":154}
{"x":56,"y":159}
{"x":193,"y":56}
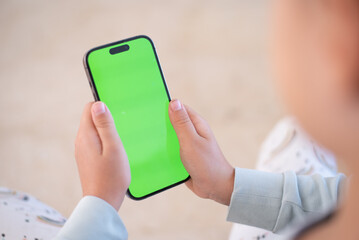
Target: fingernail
{"x":176,"y":105}
{"x":98,"y":108}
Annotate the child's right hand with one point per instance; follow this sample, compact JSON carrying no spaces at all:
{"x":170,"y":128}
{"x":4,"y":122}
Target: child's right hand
{"x":211,"y":175}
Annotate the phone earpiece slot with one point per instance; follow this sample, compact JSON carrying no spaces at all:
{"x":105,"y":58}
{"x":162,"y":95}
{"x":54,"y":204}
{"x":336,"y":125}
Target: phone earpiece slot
{"x":119,"y":49}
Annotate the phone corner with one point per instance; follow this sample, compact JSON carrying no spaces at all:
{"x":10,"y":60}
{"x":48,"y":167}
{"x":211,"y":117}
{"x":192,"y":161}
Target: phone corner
{"x":147,"y":38}
{"x":86,"y":57}
{"x":131,"y":196}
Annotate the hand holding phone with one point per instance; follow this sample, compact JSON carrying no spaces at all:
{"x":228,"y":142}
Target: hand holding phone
{"x":127,"y":76}
{"x":212,"y":176}
{"x":101,"y":159}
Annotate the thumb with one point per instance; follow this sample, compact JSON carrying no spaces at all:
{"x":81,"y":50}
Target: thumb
{"x":104,"y":124}
{"x":180,"y":120}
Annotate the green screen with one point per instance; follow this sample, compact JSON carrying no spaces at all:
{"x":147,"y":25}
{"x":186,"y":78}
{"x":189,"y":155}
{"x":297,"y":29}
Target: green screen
{"x":130,"y":83}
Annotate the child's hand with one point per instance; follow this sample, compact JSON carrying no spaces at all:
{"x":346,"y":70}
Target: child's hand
{"x":211,"y":175}
{"x":101,"y":159}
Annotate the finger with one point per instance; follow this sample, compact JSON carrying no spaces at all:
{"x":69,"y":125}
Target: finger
{"x":199,"y":123}
{"x":189,"y":184}
{"x":104,"y":124}
{"x":87,"y":134}
{"x":181,"y":122}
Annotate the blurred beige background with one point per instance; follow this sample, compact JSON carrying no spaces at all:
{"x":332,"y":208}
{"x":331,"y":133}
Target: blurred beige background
{"x":214,"y":57}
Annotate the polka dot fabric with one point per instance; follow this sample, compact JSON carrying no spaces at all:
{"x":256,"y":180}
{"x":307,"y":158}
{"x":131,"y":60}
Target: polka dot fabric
{"x":24,"y":217}
{"x":287,"y":148}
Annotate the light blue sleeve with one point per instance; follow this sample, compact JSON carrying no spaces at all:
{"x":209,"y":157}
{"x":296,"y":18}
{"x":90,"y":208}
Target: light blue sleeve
{"x":93,"y":218}
{"x":274,"y":200}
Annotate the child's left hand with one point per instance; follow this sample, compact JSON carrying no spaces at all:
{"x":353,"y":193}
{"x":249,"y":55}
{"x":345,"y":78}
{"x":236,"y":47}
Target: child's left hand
{"x":101,"y":159}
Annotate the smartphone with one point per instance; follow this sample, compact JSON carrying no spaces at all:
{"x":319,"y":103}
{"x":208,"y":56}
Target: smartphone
{"x":127,"y":76}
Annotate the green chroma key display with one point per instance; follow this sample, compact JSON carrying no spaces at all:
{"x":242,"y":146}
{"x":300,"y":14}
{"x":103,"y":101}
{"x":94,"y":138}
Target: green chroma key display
{"x":127,"y":77}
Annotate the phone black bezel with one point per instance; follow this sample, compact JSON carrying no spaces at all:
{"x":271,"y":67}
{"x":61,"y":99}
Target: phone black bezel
{"x":97,"y":98}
